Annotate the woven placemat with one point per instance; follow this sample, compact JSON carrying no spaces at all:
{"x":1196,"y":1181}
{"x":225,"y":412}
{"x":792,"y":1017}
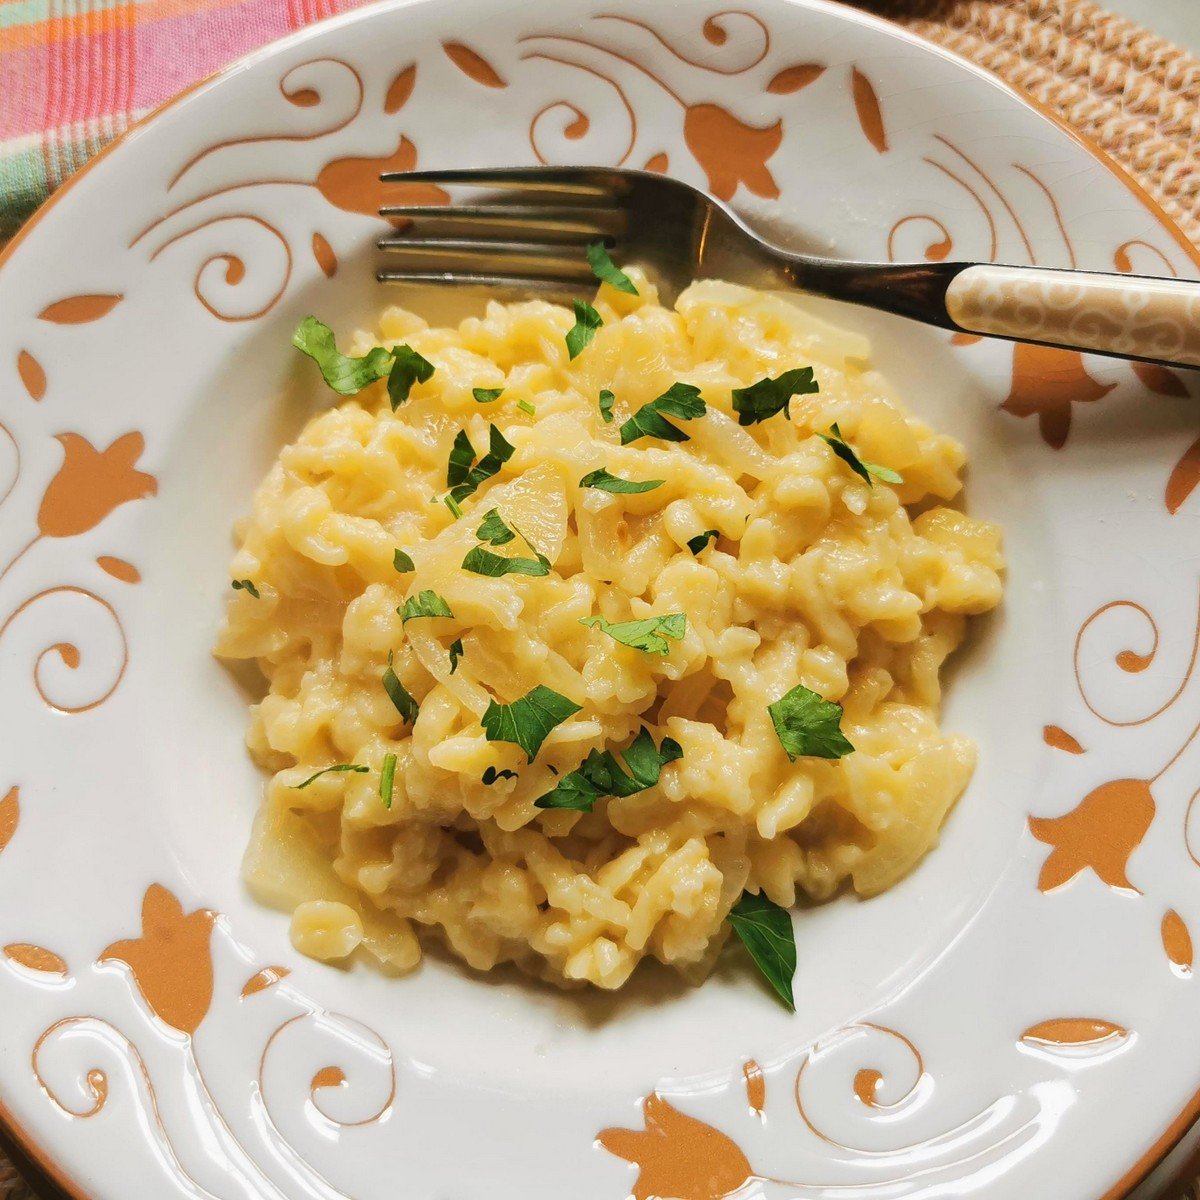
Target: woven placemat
{"x":1128,"y":91}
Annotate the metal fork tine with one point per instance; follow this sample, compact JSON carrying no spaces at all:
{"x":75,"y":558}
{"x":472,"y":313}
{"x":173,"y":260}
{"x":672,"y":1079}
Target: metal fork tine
{"x":584,"y":185}
{"x":498,"y":220}
{"x":503,"y":258}
{"x":545,"y":288}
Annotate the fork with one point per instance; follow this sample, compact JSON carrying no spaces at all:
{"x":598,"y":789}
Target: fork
{"x":528,"y":233}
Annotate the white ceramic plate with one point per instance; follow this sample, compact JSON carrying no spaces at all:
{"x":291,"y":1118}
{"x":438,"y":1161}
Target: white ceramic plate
{"x":1021,"y":1010}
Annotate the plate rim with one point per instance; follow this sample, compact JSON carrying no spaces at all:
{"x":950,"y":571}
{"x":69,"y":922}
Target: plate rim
{"x":35,"y":1160}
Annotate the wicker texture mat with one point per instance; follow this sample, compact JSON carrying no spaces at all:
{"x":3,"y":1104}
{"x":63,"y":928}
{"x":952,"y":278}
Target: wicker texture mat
{"x":1128,"y":91}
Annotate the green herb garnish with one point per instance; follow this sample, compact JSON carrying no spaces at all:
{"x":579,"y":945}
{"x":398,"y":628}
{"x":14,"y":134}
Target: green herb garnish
{"x":527,"y":721}
{"x":601,"y":775}
{"x":402,"y":563}
{"x":453,"y":506}
{"x":604,"y":270}
{"x":769,"y":396}
{"x":483,"y":562}
{"x":487,"y":395}
{"x":526,"y":407}
{"x":424,"y":604}
{"x":401,"y":366}
{"x":766,"y":931}
{"x":861,"y":468}
{"x":587,"y":321}
{"x":679,"y":400}
{"x":649,"y":634}
{"x":493,"y":529}
{"x":605,"y":482}
{"x":406,"y":706}
{"x":456,"y":652}
{"x":607,"y":400}
{"x":355,"y":767}
{"x":490,"y":775}
{"x":696,"y":544}
{"x":387,"y":780}
{"x":809,"y":725}
{"x":245,"y":585}
{"x":461,"y":476}
{"x":408,"y":369}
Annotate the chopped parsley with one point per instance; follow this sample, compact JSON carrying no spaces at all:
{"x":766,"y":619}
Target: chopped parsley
{"x":456,"y":652}
{"x":402,"y":563}
{"x":587,"y":321}
{"x":861,"y":468}
{"x":409,"y":368}
{"x":424,"y":604}
{"x":483,"y":562}
{"x":526,"y":407}
{"x":605,"y":482}
{"x":462,"y":477}
{"x":766,"y":931}
{"x":607,"y":400}
{"x":696,"y":544}
{"x":604,"y":269}
{"x":401,"y":366}
{"x":387,"y":780}
{"x":679,"y":400}
{"x":406,"y":706}
{"x":494,"y":530}
{"x":770,"y":396}
{"x":355,"y":767}
{"x":487,"y":395}
{"x":245,"y":585}
{"x":808,"y":725}
{"x":600,"y":774}
{"x":527,"y":721}
{"x":453,"y":506}
{"x":649,"y":634}
{"x":490,"y":775}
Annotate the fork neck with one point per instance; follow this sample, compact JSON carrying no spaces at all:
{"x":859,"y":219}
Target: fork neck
{"x":916,"y":290}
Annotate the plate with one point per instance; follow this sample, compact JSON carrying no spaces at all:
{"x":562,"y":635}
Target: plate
{"x":1022,"y":1008}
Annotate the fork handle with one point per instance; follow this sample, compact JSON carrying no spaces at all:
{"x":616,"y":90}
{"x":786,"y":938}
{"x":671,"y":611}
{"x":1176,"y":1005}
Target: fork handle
{"x":1128,"y":316}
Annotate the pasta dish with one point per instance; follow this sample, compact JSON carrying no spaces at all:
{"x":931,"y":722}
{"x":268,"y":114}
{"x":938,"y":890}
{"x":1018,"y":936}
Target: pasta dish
{"x":593,"y":635}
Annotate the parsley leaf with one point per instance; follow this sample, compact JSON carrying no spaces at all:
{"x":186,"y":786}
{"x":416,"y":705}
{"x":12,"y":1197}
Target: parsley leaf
{"x":490,"y":775}
{"x":527,"y":721}
{"x":766,"y":931}
{"x":696,"y":544}
{"x":387,"y":780}
{"x":409,"y":368}
{"x":859,"y":466}
{"x":493,"y":529}
{"x":456,"y":652}
{"x":679,"y":400}
{"x":607,"y":400}
{"x":406,"y":706}
{"x":649,"y":634}
{"x":601,"y":775}
{"x":402,"y":563}
{"x":483,"y":562}
{"x":346,"y":375}
{"x":487,"y":395}
{"x":587,"y":321}
{"x":769,"y":396}
{"x":245,"y":585}
{"x":464,"y":478}
{"x":809,"y":725}
{"x":358,"y":770}
{"x":605,"y":482}
{"x":604,"y":270}
{"x":424,"y":604}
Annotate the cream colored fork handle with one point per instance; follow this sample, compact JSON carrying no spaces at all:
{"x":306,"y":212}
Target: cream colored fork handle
{"x":1132,"y":316}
